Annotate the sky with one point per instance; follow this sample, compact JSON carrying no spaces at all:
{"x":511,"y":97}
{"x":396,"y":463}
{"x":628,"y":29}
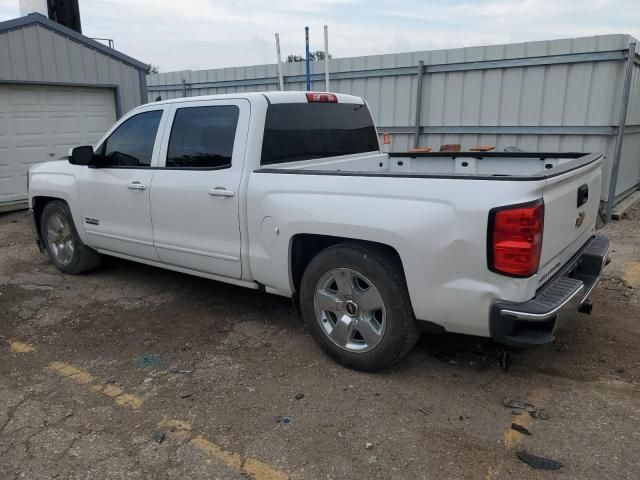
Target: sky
{"x":202,"y":34}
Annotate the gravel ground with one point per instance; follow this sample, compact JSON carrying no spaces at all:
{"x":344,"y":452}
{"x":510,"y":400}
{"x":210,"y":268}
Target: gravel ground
{"x":136,"y":372}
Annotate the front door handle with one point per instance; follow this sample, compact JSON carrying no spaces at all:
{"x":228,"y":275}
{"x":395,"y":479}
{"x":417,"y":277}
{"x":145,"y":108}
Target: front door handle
{"x":221,"y":192}
{"x":136,"y":186}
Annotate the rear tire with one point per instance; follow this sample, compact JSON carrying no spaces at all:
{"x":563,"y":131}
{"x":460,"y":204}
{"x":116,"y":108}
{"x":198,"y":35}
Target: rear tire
{"x":355,"y":302}
{"x":64,"y":247}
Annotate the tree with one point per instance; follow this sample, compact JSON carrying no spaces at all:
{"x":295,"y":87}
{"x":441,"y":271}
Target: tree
{"x":153,"y":69}
{"x":319,"y":56}
{"x":316,"y":56}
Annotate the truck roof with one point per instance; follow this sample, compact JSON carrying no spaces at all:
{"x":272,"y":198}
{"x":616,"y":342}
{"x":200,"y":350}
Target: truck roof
{"x":272,"y":97}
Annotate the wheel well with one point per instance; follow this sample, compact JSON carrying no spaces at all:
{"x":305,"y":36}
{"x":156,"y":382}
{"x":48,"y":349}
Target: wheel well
{"x":306,"y":246}
{"x":38,"y":207}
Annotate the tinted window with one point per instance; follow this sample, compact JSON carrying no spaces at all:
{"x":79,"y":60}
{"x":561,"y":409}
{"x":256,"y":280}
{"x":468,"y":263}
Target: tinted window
{"x":300,"y":131}
{"x":202,"y":137}
{"x":131,"y":145}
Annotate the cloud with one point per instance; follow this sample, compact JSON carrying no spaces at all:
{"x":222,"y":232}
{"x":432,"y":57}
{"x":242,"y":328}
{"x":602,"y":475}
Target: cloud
{"x":200,"y":34}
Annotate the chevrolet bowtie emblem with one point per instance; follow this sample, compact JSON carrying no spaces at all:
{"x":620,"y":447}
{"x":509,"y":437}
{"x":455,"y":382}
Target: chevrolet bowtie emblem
{"x":580,"y":219}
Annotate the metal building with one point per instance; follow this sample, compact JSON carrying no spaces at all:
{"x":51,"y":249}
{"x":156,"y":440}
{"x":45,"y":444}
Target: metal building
{"x":58,"y":89}
{"x":557,"y":95}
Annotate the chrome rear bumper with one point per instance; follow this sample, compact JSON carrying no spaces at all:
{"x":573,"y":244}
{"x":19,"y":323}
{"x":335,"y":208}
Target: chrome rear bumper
{"x":534,"y":322}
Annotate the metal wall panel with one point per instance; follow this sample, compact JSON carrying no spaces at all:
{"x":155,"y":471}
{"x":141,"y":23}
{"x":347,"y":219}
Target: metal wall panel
{"x":36,"y":54}
{"x":557,"y":95}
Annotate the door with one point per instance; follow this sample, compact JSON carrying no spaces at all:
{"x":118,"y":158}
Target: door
{"x":40,"y":123}
{"x":114,"y":195}
{"x":195,"y":190}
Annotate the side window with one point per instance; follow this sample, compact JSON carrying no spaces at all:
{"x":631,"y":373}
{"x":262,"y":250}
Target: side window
{"x":202,"y":137}
{"x":131,"y":145}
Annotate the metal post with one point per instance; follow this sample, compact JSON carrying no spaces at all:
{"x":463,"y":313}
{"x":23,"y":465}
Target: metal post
{"x":306,"y":39}
{"x":617,"y":151}
{"x":184,"y":87}
{"x":416,"y":135}
{"x":280,"y":77}
{"x":326,"y":58}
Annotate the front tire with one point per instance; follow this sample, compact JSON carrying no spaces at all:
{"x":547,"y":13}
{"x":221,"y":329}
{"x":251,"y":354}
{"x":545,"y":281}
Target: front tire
{"x":64,"y":247}
{"x":354,"y":301}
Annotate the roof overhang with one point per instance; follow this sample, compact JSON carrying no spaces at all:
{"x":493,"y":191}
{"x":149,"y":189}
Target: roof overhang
{"x":38,"y":19}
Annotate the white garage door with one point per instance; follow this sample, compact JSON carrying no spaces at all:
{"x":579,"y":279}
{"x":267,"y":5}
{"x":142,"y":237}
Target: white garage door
{"x":40,"y":123}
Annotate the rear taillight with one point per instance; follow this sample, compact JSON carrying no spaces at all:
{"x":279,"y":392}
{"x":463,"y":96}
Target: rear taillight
{"x":321,"y":97}
{"x":515,"y":239}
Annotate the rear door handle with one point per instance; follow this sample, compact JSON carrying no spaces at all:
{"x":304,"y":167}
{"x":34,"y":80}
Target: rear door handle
{"x":221,"y":192}
{"x":136,"y":186}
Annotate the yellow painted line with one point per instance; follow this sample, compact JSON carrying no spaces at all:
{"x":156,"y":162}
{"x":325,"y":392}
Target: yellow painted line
{"x":254,"y":468}
{"x":127,"y":400}
{"x":121,"y":398}
{"x":176,"y":428}
{"x":232,"y":460}
{"x":261,"y":471}
{"x":20,"y":347}
{"x":632,"y":273}
{"x":492,"y":472}
{"x":511,"y":438}
{"x":112,"y":391}
{"x":72,"y":372}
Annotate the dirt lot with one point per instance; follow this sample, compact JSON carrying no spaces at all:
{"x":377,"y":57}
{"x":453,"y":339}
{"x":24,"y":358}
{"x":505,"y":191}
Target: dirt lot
{"x":135,"y":372}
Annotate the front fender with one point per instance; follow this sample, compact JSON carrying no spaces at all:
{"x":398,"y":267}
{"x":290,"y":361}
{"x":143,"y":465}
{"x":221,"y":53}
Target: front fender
{"x":58,"y":180}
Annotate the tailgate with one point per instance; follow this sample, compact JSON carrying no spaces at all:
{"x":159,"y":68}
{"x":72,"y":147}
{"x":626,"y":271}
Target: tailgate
{"x":571,"y":203}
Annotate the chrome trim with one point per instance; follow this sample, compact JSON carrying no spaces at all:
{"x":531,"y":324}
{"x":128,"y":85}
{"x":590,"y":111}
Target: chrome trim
{"x":221,"y":192}
{"x":573,"y":300}
{"x":197,"y":252}
{"x":118,"y":237}
{"x":136,"y":186}
{"x":176,"y":268}
{"x":586,"y":295}
{"x":165,"y":247}
{"x":546,"y":315}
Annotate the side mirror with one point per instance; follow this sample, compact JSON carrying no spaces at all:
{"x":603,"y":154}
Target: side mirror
{"x":82,"y":155}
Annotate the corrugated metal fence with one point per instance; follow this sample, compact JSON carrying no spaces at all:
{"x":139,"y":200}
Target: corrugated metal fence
{"x":557,"y":95}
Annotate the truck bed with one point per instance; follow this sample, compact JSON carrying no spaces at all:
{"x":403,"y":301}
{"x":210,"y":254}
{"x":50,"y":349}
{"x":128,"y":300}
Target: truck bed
{"x":434,"y":210}
{"x":459,"y":165}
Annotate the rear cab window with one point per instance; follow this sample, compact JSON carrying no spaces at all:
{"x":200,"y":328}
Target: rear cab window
{"x":303,"y":131}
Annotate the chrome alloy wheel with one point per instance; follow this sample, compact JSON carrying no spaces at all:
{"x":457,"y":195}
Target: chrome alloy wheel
{"x":60,"y":238}
{"x":350,"y":310}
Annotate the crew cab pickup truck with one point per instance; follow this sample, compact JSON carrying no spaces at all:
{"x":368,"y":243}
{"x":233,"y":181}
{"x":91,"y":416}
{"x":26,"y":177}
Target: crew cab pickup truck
{"x":290,"y":193}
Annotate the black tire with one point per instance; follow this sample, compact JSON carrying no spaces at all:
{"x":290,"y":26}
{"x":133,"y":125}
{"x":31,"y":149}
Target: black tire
{"x":83,"y":258}
{"x":384,"y":271}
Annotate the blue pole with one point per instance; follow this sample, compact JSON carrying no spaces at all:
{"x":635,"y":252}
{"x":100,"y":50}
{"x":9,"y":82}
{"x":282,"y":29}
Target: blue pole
{"x":306,"y":38}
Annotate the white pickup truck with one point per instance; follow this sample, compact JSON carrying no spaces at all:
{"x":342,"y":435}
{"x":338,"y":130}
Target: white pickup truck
{"x":290,"y":193}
